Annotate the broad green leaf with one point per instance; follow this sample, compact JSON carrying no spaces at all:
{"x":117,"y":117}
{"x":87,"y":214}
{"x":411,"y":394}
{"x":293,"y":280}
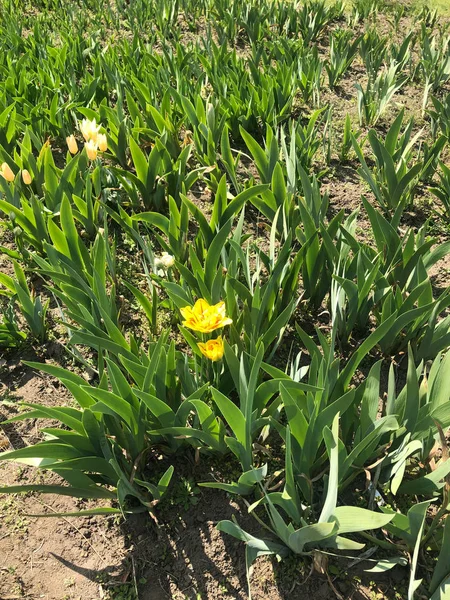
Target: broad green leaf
{"x":351,"y":519}
{"x":310,"y":534}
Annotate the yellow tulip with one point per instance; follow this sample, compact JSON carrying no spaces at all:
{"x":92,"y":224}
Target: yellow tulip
{"x":72,"y":144}
{"x":212,"y":349}
{"x":102,"y":142}
{"x":7,"y":172}
{"x":26,"y":177}
{"x":205,"y":318}
{"x":89,"y":129}
{"x":91,"y":149}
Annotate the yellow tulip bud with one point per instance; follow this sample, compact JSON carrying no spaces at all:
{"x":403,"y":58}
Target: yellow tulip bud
{"x":212,"y":349}
{"x":91,"y":149}
{"x":102,"y":142}
{"x":26,"y":177}
{"x":72,"y":144}
{"x":7,"y":172}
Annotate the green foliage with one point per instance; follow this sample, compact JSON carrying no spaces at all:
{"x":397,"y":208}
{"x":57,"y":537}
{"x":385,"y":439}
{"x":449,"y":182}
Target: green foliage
{"x":343,"y":49}
{"x":378,"y":93}
{"x":393,"y":181}
{"x":442,"y":190}
{"x":30,"y":305}
{"x":434,"y":65}
{"x":10,"y":334}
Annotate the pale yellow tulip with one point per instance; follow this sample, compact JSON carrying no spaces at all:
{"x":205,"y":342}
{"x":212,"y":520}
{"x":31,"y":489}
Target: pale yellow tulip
{"x":102,"y":142}
{"x":72,"y":144}
{"x":89,"y":129}
{"x":26,"y":177}
{"x":91,"y":149}
{"x":7,"y":172}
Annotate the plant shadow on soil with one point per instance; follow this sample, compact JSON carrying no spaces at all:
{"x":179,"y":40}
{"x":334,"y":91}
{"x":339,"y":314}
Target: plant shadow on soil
{"x":186,"y":557}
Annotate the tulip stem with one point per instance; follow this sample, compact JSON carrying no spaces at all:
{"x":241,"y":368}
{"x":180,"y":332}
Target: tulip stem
{"x":217,"y":368}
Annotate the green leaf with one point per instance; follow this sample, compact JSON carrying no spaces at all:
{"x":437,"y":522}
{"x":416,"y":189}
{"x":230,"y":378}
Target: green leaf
{"x":331,"y":442}
{"x":140,"y":161}
{"x":441,"y":573}
{"x":92,"y":492}
{"x":44,"y":450}
{"x":429,"y":484}
{"x":388,"y":563}
{"x":416,"y":517}
{"x":443,"y":591}
{"x":351,"y":519}
{"x":310,"y":534}
{"x":233,"y":416}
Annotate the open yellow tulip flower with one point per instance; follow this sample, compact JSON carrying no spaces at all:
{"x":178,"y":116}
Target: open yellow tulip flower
{"x":7,"y":172}
{"x":204,"y":317}
{"x":89,"y":129}
{"x":212,"y":349}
